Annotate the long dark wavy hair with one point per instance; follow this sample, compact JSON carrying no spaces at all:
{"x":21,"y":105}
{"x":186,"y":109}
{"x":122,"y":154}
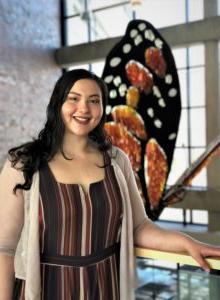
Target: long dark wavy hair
{"x":30,"y":156}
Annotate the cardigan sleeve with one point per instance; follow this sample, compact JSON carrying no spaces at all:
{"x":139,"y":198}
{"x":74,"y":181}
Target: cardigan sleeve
{"x":138,"y":211}
{"x":11,"y":208}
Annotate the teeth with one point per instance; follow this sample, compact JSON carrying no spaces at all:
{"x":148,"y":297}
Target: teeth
{"x":82,"y":119}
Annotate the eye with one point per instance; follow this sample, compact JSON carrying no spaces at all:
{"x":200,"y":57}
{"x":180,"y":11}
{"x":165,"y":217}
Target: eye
{"x":94,"y":101}
{"x":73,"y":98}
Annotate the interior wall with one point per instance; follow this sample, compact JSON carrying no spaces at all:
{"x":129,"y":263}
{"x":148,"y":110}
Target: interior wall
{"x":29,"y":34}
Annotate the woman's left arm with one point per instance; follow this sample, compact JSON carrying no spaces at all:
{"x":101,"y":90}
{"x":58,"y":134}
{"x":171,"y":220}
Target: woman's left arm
{"x":154,"y":237}
{"x":148,"y":235}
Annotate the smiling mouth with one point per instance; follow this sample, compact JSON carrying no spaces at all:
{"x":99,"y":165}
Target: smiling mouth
{"x":81,"y":120}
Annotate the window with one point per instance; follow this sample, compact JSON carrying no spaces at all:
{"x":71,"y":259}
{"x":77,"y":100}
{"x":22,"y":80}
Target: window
{"x":94,"y":20}
{"x":91,"y":20}
{"x":191,"y":139}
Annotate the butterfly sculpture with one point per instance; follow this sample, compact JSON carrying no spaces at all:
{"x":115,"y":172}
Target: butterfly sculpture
{"x":144,"y":107}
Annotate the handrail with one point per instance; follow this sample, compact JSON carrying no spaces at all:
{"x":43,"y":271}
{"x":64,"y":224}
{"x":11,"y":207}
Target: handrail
{"x":182,"y":258}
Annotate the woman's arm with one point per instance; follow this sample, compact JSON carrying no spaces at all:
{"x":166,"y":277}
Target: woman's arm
{"x":154,"y":237}
{"x":149,"y":235}
{"x":11,"y":222}
{"x":6,"y":276}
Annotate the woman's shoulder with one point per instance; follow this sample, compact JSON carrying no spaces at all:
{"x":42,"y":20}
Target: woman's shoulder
{"x":119,"y":156}
{"x":11,"y":171}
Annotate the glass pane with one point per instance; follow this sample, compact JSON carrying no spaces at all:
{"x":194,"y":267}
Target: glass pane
{"x":196,"y":10}
{"x":180,"y":57}
{"x":201,"y":178}
{"x":197,"y":55}
{"x":183,"y":87}
{"x":168,"y":282}
{"x":182,"y":137}
{"x":77,"y":31}
{"x":97,"y":30}
{"x":198,"y":127}
{"x":172,"y":214}
{"x":97,"y":68}
{"x":97,"y":4}
{"x":73,"y":7}
{"x":197,"y":86}
{"x":86,"y":66}
{"x":196,"y":152}
{"x":188,"y":215}
{"x":103,"y":24}
{"x":160,"y":13}
{"x":179,"y":164}
{"x":200,"y":216}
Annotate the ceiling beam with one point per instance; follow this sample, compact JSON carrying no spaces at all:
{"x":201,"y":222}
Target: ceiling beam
{"x":178,"y":35}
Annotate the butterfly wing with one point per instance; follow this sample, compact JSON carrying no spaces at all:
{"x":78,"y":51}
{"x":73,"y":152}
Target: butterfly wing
{"x":140,"y":73}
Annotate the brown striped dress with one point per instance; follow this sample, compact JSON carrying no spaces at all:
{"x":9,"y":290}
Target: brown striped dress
{"x":79,"y":239}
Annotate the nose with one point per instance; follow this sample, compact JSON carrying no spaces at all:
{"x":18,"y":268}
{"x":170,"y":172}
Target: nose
{"x":83,"y":106}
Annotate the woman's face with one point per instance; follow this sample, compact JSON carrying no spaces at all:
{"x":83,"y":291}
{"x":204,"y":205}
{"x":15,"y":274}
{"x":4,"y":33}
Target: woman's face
{"x":83,"y":109}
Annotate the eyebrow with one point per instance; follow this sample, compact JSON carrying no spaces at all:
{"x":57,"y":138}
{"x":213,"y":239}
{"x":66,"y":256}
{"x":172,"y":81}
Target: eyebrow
{"x":93,"y":95}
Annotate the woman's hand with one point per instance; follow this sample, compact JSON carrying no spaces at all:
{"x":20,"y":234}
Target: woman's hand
{"x":152,"y":236}
{"x":200,"y":251}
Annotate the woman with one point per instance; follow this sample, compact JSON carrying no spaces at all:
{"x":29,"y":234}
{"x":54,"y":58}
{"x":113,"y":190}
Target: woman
{"x":70,"y":211}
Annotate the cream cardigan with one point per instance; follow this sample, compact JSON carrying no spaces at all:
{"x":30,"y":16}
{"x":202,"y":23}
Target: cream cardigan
{"x":19,"y":232}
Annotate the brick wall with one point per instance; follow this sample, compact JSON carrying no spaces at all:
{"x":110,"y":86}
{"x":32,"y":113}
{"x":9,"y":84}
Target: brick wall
{"x":29,"y":33}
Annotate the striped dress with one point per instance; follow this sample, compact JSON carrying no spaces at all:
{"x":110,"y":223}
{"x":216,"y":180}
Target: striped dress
{"x":79,"y":239}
